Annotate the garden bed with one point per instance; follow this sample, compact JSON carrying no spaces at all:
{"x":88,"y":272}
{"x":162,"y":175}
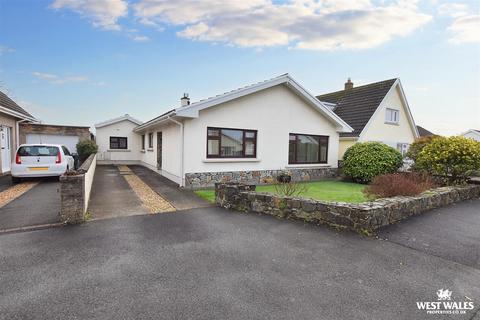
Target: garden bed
{"x":363,"y":217}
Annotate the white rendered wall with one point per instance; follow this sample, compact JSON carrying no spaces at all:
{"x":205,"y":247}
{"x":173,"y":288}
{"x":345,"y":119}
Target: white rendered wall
{"x":390,"y":134}
{"x":275,"y":113}
{"x":119,"y":129}
{"x":171,"y":145}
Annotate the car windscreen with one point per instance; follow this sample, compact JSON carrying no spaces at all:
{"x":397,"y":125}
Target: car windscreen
{"x":37,"y":151}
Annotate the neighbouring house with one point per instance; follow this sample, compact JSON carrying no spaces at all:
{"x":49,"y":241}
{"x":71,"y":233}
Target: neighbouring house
{"x":472,"y":133}
{"x":117,"y":142}
{"x":249,"y":134}
{"x":11,"y":115}
{"x":68,"y":136}
{"x":377,"y":112}
{"x":422,"y":132}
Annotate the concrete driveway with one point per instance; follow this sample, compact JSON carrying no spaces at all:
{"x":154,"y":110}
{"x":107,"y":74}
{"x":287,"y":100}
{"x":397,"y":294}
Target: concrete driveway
{"x":211,"y":263}
{"x":39,"y":205}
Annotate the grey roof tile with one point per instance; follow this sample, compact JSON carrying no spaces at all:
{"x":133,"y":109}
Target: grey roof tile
{"x":8,"y":103}
{"x":357,"y":105}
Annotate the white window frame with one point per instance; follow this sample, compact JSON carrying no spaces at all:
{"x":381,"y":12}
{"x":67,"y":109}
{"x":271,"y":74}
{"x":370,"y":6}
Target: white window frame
{"x":392,"y":116}
{"x":403,"y":147}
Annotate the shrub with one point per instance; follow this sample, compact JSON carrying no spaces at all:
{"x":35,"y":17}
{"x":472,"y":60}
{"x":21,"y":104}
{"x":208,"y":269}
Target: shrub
{"x":85,"y":148}
{"x":417,"y":146}
{"x":363,"y":161}
{"x":453,"y":158}
{"x":291,"y":189}
{"x":399,"y":184}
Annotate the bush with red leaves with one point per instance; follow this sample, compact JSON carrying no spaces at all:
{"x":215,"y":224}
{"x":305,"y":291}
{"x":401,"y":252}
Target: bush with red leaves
{"x":399,"y":184}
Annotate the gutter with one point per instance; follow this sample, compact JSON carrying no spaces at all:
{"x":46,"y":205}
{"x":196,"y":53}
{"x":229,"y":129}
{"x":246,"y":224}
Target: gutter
{"x":154,"y":121}
{"x":17,"y":131}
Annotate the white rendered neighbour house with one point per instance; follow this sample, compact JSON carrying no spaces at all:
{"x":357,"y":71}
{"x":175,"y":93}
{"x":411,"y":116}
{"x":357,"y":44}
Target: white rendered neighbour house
{"x":472,"y":134}
{"x":249,"y":134}
{"x":377,"y":112}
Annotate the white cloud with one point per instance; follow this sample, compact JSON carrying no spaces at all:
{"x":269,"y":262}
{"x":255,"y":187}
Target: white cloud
{"x":140,"y":38}
{"x":102,"y":13}
{"x":465,"y":27}
{"x":4,"y":49}
{"x":305,"y":24}
{"x":56,"y":79}
{"x":453,"y":9}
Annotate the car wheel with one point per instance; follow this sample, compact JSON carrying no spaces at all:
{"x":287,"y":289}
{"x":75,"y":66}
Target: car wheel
{"x":15,"y":180}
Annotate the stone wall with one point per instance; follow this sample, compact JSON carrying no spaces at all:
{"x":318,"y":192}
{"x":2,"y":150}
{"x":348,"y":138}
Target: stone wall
{"x":208,"y":179}
{"x":36,"y":128}
{"x":360,"y":217}
{"x":75,"y":192}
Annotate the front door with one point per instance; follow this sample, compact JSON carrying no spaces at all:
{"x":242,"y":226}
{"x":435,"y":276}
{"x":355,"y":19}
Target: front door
{"x":6,"y":150}
{"x":159,"y":150}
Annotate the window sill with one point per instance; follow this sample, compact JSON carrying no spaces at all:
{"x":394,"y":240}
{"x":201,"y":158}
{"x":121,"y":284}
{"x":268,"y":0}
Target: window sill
{"x":227,"y":160}
{"x":308,"y":165}
{"x":119,"y":150}
{"x":150,"y":149}
{"x":142,"y":151}
{"x":392,"y":123}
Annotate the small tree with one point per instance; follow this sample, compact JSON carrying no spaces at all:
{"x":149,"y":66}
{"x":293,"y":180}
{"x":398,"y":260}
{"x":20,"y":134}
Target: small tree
{"x":453,"y":158}
{"x":364,"y":161}
{"x":85,"y":148}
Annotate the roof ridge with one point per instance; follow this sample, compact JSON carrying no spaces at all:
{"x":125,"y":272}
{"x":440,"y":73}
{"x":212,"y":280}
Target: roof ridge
{"x":241,"y":88}
{"x":354,"y":88}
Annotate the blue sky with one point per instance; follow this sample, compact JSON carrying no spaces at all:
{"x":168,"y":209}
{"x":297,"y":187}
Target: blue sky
{"x":84,"y":61}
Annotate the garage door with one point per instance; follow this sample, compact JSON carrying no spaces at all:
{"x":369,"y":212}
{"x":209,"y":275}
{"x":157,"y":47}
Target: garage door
{"x":68,"y":141}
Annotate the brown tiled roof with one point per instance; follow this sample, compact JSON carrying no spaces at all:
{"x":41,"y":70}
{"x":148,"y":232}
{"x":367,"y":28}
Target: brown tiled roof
{"x":357,"y":105}
{"x":422,"y":132}
{"x":8,"y":103}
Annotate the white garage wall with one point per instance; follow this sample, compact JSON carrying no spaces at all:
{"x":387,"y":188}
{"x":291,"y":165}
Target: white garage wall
{"x":68,"y":141}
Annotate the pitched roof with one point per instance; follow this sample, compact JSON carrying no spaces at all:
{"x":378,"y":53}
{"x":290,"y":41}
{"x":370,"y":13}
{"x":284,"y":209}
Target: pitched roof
{"x":9,"y":104}
{"x":424,"y":132}
{"x":357,"y":105}
{"x":192,"y":110}
{"x":118,"y":119}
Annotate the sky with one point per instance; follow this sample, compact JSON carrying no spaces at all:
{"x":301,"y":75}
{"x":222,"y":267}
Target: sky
{"x":80,"y":62}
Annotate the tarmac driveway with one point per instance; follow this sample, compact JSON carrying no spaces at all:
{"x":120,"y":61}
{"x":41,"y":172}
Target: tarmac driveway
{"x":39,"y":205}
{"x":211,"y":263}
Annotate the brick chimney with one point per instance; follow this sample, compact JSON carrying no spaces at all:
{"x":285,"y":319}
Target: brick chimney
{"x":185,"y":100}
{"x":348,"y":84}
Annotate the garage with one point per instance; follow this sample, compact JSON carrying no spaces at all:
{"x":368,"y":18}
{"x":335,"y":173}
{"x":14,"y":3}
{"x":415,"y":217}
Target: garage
{"x":68,"y":141}
{"x":54,"y":134}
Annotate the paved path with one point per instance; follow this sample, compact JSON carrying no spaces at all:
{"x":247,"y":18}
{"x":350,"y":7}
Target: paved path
{"x":111,"y":195}
{"x":211,"y":263}
{"x":181,"y":199}
{"x":40,"y":205}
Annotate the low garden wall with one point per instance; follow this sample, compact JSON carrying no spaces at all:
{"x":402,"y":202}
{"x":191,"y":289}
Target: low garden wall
{"x":361,"y":217}
{"x":208,"y":179}
{"x":75,"y":192}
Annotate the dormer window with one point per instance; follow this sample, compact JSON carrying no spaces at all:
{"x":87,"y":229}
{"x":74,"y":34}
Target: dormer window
{"x":392,"y":116}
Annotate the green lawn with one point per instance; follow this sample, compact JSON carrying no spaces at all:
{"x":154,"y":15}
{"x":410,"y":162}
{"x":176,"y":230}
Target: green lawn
{"x":319,"y":190}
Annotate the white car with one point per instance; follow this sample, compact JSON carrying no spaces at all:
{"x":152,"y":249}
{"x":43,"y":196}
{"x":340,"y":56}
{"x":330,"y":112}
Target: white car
{"x":41,"y":160}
